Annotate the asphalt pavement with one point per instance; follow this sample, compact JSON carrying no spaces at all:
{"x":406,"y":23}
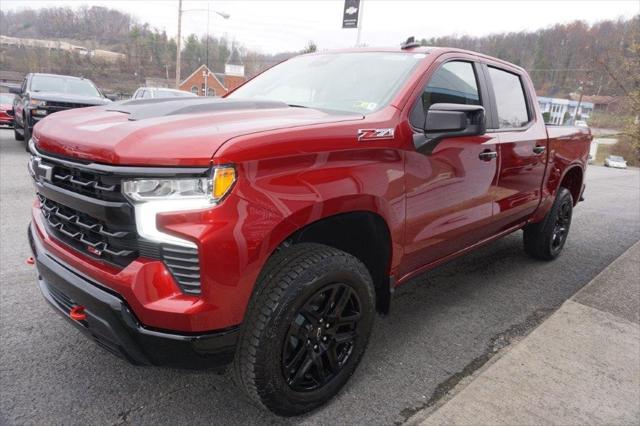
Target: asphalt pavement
{"x":443,"y":326}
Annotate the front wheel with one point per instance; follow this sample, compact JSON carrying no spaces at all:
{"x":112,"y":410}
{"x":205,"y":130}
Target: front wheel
{"x":306,"y":328}
{"x":17,"y":135}
{"x":545,"y":240}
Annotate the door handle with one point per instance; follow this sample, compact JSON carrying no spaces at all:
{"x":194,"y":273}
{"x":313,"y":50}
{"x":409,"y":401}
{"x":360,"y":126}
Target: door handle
{"x":487,"y":155}
{"x":539,"y":149}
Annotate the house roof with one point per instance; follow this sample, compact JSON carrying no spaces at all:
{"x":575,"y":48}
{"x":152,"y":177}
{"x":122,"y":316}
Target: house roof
{"x":596,"y":99}
{"x":200,"y":69}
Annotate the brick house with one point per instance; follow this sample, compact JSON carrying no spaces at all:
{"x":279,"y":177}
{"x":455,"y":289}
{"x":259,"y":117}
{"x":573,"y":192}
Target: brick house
{"x":204,"y":81}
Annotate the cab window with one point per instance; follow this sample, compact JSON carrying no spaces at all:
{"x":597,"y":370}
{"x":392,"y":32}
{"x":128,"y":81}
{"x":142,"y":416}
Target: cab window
{"x":454,"y":82}
{"x":510,"y":99}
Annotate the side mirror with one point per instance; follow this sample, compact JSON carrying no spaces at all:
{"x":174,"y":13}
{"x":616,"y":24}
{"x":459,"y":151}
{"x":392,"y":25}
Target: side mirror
{"x":16,"y":90}
{"x":448,"y":121}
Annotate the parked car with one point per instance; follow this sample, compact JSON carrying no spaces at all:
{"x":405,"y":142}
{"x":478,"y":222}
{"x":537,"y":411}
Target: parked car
{"x":160,"y":92}
{"x":6,"y":109}
{"x":615,"y":161}
{"x":581,"y":123}
{"x":40,"y":95}
{"x":264,"y":229}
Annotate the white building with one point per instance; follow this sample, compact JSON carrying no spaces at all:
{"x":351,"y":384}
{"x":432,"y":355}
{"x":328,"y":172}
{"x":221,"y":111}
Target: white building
{"x":557,"y":108}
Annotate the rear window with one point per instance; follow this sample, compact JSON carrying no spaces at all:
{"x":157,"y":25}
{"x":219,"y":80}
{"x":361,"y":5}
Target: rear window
{"x":510,"y":99}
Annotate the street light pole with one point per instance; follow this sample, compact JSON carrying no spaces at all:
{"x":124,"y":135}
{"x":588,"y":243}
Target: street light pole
{"x":178,"y":44}
{"x":360,"y":17}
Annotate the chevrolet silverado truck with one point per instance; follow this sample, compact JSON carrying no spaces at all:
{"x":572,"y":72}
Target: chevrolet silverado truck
{"x":264,"y":230}
{"x":40,"y":95}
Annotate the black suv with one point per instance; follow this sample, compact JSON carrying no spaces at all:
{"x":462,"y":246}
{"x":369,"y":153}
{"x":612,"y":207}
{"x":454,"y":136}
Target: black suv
{"x":43,"y":94}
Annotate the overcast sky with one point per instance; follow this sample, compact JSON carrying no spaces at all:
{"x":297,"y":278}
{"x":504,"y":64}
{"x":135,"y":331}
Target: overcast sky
{"x":274,"y":26}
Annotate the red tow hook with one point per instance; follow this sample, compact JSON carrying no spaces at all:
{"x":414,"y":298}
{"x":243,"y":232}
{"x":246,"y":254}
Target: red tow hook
{"x":77,"y":313}
{"x":30,"y":260}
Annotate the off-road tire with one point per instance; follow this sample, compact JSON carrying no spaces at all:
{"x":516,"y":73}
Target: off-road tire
{"x":293,"y":276}
{"x":541,"y":239}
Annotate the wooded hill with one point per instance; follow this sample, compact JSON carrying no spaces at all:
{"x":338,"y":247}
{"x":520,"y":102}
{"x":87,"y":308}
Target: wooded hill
{"x":560,"y":58}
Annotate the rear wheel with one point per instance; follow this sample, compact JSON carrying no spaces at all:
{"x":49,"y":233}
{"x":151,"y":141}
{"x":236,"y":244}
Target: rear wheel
{"x":546,"y":239}
{"x":306,"y":329}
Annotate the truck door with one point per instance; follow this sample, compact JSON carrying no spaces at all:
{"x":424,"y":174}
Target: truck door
{"x":450,"y":190}
{"x":522,"y":147}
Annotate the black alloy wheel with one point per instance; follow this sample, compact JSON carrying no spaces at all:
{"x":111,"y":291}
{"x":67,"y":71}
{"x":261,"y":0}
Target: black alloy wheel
{"x":561,"y":227}
{"x":321,"y":337}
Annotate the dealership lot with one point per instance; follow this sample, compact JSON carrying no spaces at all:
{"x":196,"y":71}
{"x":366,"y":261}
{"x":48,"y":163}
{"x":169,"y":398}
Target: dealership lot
{"x":443,"y":325}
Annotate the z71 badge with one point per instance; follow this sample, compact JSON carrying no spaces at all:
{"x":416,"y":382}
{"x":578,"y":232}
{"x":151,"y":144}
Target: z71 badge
{"x":375,"y":134}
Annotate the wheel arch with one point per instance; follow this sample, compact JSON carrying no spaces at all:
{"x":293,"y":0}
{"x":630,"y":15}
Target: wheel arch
{"x":572,"y":179}
{"x":364,"y":231}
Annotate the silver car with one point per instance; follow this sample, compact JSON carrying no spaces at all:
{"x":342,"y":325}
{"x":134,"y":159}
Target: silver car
{"x":615,"y":161}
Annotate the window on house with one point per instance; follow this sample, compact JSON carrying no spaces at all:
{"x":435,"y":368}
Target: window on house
{"x":194,"y":90}
{"x":211,"y":92}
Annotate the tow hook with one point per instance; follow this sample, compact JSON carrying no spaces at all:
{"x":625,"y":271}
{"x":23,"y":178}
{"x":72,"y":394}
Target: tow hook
{"x":30,"y":260}
{"x":77,"y":313}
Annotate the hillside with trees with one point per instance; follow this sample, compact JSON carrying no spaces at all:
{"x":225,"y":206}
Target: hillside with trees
{"x":149,"y":51}
{"x":560,"y":59}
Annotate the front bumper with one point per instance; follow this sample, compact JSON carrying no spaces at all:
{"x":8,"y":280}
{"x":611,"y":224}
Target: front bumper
{"x":111,"y":323}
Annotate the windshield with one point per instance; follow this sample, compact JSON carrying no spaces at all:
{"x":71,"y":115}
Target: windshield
{"x":360,"y":82}
{"x":71,"y":86}
{"x":6,"y":98}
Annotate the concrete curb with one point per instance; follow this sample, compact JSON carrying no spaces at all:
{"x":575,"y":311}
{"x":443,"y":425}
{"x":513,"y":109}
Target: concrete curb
{"x":580,"y":366}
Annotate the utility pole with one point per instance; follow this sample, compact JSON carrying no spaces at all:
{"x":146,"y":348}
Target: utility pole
{"x":178,"y":44}
{"x":575,"y":114}
{"x":207,"y":36}
{"x":360,"y":17}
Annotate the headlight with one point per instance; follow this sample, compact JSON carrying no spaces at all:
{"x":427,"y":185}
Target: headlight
{"x":37,"y":102}
{"x":153,"y":196}
{"x":39,"y":112}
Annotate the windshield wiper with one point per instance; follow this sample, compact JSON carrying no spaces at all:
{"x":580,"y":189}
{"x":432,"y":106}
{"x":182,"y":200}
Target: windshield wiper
{"x":297,"y":106}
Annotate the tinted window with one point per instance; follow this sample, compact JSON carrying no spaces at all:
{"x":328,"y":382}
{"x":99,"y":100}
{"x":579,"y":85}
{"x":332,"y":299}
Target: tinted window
{"x":453,"y":83}
{"x":510,"y":99}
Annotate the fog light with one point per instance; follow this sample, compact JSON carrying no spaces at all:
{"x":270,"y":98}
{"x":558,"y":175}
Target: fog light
{"x":39,"y":112}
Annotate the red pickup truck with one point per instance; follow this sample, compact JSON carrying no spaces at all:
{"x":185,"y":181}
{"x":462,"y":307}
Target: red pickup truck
{"x":265,"y":229}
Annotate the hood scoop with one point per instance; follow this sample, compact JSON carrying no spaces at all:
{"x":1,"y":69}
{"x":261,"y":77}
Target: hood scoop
{"x":153,"y":108}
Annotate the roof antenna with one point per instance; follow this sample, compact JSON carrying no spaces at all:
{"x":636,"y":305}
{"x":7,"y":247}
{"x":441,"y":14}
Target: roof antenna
{"x":410,"y":43}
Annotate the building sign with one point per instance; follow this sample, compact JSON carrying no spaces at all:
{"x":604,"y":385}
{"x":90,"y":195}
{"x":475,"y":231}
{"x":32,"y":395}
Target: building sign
{"x":351,"y":13}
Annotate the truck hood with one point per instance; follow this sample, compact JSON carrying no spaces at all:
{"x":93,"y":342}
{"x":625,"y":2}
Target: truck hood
{"x":166,"y":132}
{"x":68,"y":98}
